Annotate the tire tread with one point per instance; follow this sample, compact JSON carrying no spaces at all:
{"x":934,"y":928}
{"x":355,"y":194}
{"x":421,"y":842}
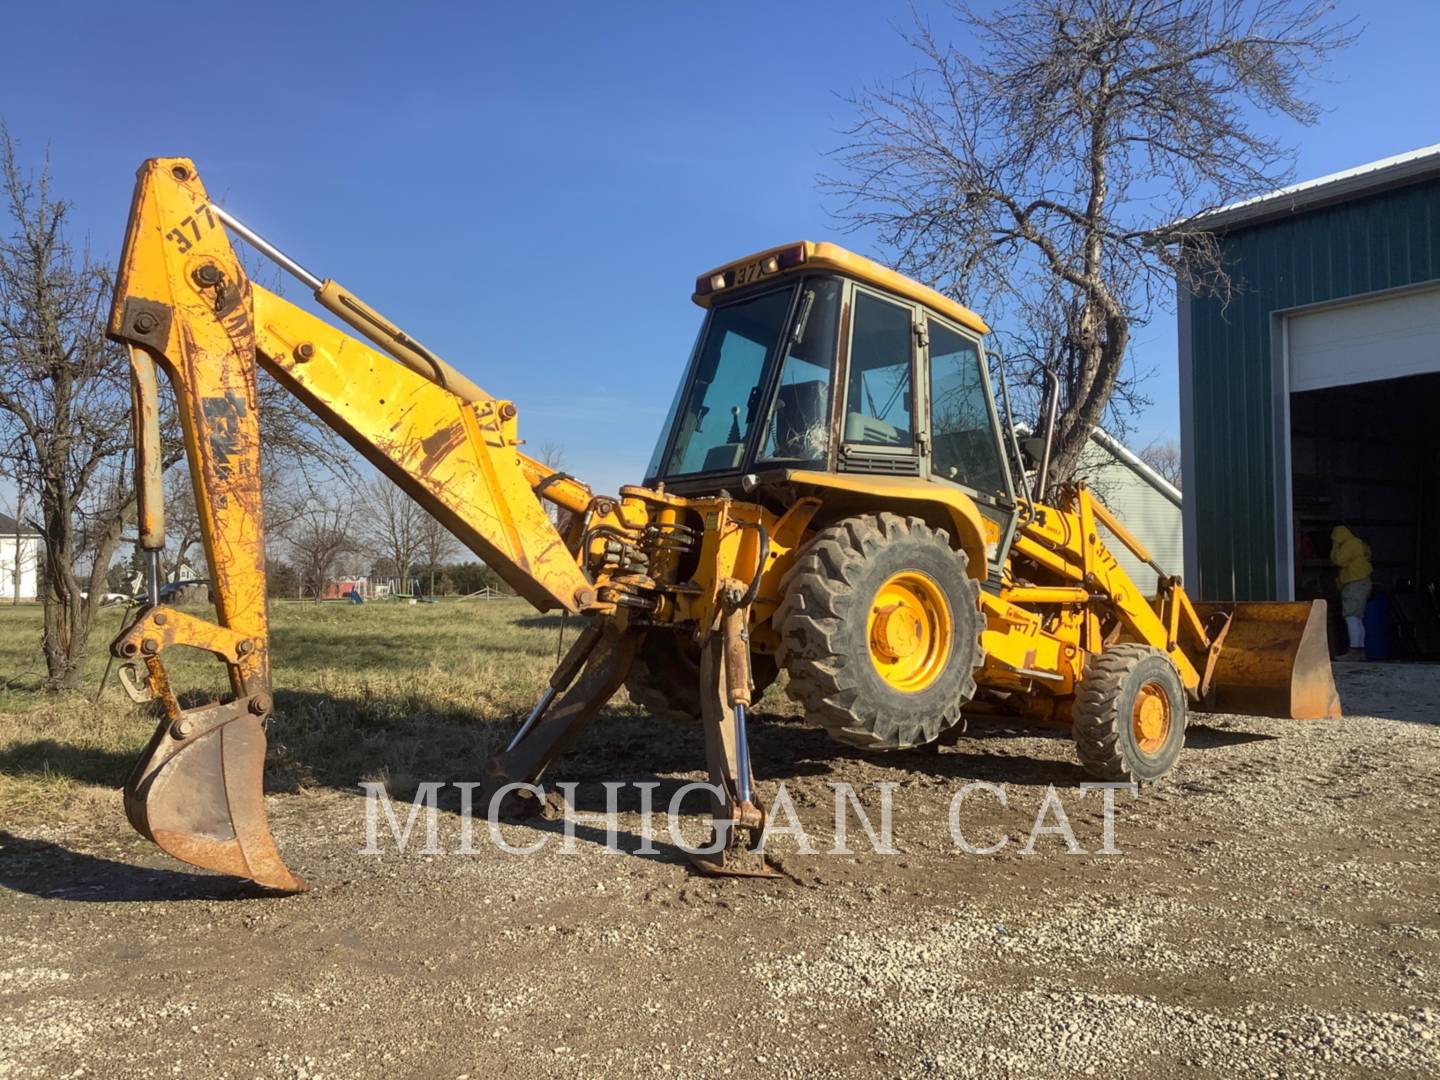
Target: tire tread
{"x":811,"y":622}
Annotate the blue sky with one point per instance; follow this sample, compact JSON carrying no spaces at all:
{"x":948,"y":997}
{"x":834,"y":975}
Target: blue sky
{"x":531,"y":189}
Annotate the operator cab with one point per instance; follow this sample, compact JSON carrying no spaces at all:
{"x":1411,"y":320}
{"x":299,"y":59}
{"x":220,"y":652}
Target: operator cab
{"x":812,"y":358}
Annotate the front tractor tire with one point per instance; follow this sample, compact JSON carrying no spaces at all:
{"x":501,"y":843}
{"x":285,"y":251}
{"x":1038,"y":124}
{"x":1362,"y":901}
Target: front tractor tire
{"x":880,"y":632}
{"x":1129,"y":715}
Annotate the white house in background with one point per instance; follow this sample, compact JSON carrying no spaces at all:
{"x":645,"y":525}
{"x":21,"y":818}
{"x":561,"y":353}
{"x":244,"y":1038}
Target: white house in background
{"x":1145,"y":503}
{"x":19,"y":550}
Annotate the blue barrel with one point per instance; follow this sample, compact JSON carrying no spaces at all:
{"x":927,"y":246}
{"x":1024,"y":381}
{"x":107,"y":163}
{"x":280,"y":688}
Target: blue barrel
{"x":1377,"y":628}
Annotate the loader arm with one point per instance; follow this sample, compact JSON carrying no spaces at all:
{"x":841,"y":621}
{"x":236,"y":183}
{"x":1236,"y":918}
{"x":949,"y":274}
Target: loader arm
{"x":184,"y":303}
{"x":1266,"y":659}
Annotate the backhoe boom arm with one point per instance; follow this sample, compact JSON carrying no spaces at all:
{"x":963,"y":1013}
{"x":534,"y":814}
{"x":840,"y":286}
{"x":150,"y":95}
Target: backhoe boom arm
{"x":183,"y":298}
{"x":183,"y":304}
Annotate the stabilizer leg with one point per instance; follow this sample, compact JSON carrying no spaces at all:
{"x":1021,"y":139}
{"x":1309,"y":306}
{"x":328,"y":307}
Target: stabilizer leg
{"x":601,"y":657}
{"x":725,"y":690}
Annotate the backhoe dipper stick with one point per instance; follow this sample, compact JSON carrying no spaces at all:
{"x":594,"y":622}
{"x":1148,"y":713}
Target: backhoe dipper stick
{"x":183,"y":306}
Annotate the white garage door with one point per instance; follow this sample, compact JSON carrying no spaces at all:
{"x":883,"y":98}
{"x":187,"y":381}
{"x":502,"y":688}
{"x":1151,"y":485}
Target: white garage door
{"x":1365,"y":341}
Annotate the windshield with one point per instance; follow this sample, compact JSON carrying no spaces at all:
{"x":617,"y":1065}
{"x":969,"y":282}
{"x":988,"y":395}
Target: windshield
{"x":725,"y":389}
{"x":657,"y":457}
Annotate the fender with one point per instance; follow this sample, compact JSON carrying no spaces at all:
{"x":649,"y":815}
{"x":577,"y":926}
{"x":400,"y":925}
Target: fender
{"x":907,"y":493}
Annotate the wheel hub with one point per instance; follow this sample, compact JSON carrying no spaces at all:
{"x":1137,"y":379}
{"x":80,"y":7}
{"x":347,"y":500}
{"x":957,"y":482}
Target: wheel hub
{"x":910,"y":631}
{"x":897,"y":632}
{"x":1150,"y":718}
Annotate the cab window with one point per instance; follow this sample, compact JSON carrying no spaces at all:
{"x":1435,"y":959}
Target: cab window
{"x":964,"y":446}
{"x":799,"y":425}
{"x":880,"y":393}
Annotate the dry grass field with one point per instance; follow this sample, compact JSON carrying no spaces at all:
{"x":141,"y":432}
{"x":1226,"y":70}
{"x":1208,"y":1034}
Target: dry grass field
{"x":387,"y":691}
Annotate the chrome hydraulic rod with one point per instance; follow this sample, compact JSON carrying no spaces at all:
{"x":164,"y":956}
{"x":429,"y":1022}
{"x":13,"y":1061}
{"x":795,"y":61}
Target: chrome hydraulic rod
{"x":360,"y":316}
{"x":152,"y":576}
{"x":560,"y":680}
{"x":269,"y":250}
{"x":535,"y":714}
{"x":743,"y":785}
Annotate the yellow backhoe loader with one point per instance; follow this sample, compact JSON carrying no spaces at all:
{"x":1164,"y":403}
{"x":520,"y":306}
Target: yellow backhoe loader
{"x":832,"y":495}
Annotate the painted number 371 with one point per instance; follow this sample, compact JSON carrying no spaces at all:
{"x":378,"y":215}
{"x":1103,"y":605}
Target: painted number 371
{"x":195,"y":225}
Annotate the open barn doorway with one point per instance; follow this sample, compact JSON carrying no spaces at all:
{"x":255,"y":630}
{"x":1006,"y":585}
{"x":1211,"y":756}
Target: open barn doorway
{"x":1367,"y":455}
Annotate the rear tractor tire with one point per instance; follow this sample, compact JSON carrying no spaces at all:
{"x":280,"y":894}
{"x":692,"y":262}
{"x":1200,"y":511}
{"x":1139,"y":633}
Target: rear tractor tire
{"x":664,"y":680}
{"x":880,"y":632}
{"x":1129,"y":715}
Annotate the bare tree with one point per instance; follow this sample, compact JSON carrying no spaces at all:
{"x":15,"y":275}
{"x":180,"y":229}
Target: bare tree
{"x":64,"y":408}
{"x":436,"y":546}
{"x":552,"y":455}
{"x":317,"y":524}
{"x":1164,"y":457}
{"x":393,"y":527}
{"x":1044,"y":339}
{"x":182,"y":526}
{"x":1043,"y":165}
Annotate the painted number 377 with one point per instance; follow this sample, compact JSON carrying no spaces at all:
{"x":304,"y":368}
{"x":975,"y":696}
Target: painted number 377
{"x":195,"y":225}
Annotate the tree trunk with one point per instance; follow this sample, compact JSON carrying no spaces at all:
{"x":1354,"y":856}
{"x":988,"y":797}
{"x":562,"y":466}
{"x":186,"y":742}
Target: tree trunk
{"x":70,"y":616}
{"x":1084,"y":415}
{"x":19,"y":551}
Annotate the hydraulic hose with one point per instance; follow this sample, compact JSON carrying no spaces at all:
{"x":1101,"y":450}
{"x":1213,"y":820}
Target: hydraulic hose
{"x":761,"y":556}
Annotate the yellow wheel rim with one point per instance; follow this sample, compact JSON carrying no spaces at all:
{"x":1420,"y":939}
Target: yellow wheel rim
{"x":910,"y":631}
{"x":1150,"y":718}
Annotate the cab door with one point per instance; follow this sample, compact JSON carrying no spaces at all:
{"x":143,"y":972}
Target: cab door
{"x":964,"y":441}
{"x":878,"y":426}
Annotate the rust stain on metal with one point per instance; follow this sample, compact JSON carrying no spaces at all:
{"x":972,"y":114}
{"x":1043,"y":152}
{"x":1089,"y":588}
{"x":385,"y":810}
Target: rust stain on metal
{"x":436,"y":447}
{"x":201,"y":798}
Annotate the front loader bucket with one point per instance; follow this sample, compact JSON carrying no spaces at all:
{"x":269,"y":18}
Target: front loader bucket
{"x":201,"y":797}
{"x":1274,"y":661}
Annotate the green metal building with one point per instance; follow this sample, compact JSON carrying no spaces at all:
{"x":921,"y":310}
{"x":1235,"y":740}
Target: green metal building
{"x":1313,"y":397}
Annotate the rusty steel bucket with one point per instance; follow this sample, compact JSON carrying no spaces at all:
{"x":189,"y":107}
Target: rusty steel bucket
{"x":198,"y":792}
{"x":1275,"y":660}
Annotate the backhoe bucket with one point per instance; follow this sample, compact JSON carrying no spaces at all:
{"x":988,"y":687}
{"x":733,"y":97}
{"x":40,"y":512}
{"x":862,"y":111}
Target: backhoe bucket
{"x":201,"y":797}
{"x":1274,"y":661}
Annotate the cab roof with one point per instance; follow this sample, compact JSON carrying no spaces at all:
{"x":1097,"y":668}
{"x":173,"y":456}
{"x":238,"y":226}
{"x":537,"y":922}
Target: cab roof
{"x":808,"y":255}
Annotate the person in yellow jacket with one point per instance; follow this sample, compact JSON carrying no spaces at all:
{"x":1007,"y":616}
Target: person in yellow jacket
{"x":1351,"y":557}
